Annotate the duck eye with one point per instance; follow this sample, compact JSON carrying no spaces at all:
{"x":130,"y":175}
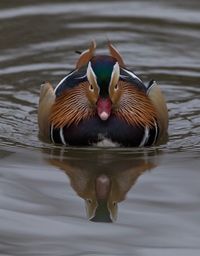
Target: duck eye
{"x":91,"y":88}
{"x":116,"y":87}
{"x":89,"y":200}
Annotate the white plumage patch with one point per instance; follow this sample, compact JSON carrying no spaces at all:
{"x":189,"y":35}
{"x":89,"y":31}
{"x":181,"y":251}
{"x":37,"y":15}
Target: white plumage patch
{"x":145,"y":137}
{"x":62,"y":136}
{"x":105,"y":142}
{"x":91,"y":75}
{"x":132,"y":74}
{"x":51,"y":134}
{"x":115,"y":74}
{"x":151,"y":86}
{"x":64,"y":80}
{"x":156,"y":133}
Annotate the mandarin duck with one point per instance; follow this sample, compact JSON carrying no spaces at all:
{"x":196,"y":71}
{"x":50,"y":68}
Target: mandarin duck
{"x":101,"y":99}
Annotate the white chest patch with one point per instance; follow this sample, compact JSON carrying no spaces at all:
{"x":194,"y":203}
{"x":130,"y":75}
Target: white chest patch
{"x":105,"y":142}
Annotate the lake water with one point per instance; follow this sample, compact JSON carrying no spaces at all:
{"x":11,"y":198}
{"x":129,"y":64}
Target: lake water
{"x":47,"y":192}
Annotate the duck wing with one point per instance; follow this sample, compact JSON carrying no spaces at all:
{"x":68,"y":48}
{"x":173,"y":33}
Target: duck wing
{"x":47,"y":98}
{"x":155,"y":94}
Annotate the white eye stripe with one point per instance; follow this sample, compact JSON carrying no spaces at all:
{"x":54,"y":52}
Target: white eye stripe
{"x":90,"y":74}
{"x":115,"y":75}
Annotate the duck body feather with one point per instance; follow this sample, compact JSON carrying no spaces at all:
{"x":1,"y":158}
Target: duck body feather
{"x":90,"y":132}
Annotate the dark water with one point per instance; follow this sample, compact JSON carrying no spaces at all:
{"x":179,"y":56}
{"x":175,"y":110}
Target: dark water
{"x":47,"y":192}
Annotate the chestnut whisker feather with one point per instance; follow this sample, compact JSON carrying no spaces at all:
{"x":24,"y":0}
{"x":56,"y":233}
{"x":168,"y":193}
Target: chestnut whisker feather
{"x":71,"y":107}
{"x":135,"y":107}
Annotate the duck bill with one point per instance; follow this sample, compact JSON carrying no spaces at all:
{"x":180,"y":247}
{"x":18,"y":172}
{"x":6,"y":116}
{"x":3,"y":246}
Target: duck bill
{"x":104,"y":107}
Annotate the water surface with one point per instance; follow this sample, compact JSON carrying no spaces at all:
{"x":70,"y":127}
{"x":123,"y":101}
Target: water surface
{"x":47,"y":192}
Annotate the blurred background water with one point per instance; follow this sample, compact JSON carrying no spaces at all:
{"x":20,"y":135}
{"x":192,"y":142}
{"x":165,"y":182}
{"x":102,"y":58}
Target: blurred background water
{"x":47,"y":192}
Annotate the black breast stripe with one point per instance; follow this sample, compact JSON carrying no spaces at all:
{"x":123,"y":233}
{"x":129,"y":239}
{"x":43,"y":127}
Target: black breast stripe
{"x":153,"y":135}
{"x":71,"y":80}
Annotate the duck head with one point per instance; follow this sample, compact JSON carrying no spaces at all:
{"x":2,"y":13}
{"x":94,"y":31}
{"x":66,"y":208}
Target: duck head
{"x":103,"y":74}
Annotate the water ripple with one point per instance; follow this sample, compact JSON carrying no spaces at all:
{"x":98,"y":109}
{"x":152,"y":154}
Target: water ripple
{"x":41,"y":212}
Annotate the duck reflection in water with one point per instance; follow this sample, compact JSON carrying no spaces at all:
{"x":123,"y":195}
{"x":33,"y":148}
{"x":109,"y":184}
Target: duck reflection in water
{"x":102,"y":178}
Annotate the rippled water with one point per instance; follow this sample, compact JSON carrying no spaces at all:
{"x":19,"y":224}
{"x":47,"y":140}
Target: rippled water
{"x":47,"y":192}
